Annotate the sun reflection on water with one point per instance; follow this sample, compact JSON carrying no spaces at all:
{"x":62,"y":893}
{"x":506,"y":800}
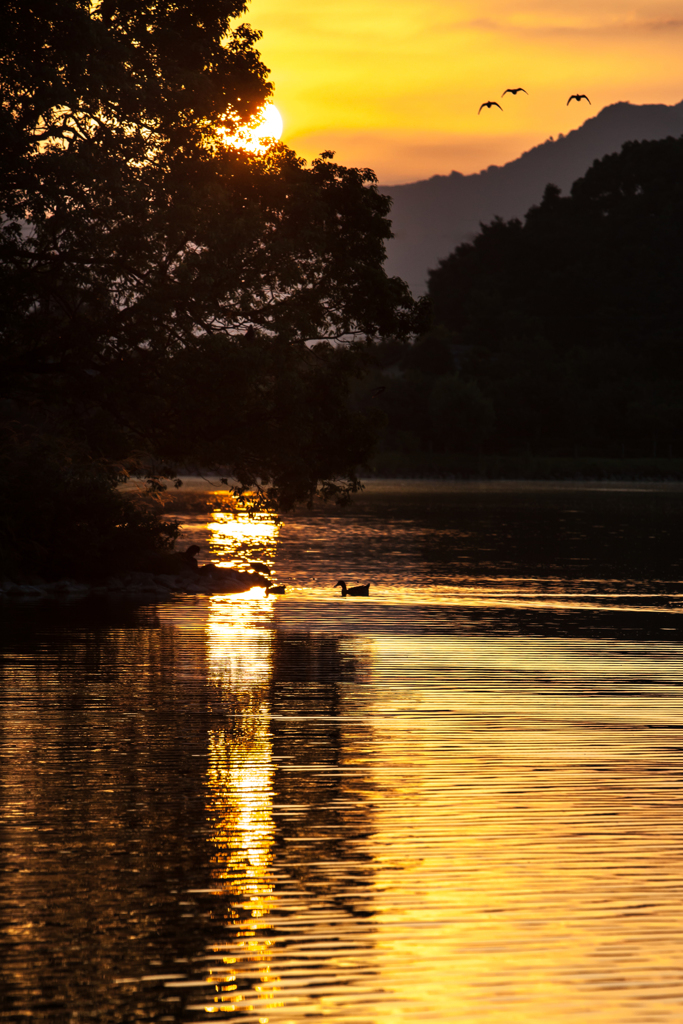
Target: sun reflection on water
{"x":238,"y":646}
{"x":239,"y":786}
{"x":237,"y":640}
{"x":239,"y":781}
{"x":236,"y":538}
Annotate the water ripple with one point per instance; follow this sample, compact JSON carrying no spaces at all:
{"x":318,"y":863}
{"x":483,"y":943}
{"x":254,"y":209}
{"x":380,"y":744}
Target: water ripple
{"x":456,"y":800}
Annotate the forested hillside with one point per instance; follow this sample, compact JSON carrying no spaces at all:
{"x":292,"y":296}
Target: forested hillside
{"x":561,"y":335}
{"x":429,"y":218}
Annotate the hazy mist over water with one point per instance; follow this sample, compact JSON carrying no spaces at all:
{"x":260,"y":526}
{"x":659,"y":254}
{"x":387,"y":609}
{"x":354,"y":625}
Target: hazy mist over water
{"x":455,"y":800}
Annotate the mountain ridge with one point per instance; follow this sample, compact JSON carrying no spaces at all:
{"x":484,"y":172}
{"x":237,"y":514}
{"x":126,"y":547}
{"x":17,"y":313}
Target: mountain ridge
{"x":430,"y":218}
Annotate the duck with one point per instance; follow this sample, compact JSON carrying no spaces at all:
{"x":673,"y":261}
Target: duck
{"x":278,"y":589}
{"x":489,"y":104}
{"x":361,"y":591}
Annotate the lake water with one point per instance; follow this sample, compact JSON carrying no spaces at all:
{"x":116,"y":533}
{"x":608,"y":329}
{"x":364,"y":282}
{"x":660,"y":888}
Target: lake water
{"x":459,"y":799}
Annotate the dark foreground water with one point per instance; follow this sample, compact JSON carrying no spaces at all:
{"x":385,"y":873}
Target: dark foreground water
{"x":459,"y":800}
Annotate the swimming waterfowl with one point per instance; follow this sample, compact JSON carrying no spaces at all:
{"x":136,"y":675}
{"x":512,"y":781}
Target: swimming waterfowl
{"x":361,"y":591}
{"x":279,"y":589}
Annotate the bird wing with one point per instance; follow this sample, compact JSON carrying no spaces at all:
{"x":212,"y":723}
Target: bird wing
{"x":570,"y":99}
{"x":497,"y":105}
{"x":584,"y":97}
{"x":482,"y":107}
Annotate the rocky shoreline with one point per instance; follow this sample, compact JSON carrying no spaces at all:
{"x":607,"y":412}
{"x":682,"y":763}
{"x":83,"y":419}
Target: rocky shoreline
{"x":136,"y":584}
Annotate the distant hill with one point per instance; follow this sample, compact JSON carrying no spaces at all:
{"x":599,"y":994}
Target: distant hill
{"x":430,"y":218}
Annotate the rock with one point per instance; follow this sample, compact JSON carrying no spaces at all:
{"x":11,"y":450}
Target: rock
{"x":68,"y":587}
{"x":164,"y":580}
{"x":140,"y":586}
{"x":138,"y":578}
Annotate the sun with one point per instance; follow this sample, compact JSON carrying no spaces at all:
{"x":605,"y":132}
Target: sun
{"x":270,"y":127}
{"x":265,"y":127}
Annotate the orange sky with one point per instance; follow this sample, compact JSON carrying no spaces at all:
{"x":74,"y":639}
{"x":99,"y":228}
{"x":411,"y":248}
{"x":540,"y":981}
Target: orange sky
{"x":396,"y":84}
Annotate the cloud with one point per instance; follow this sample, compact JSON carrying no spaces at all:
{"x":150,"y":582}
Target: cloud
{"x":544,"y":28}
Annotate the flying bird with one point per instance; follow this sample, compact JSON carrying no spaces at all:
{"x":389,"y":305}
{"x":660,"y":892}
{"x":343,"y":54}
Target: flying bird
{"x":515,"y":91}
{"x":578,"y":96}
{"x":489,"y":103}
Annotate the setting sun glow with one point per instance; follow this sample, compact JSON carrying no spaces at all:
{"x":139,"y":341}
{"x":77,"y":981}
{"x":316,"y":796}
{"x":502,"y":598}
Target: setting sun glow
{"x":264,"y":130}
{"x":396,"y":85}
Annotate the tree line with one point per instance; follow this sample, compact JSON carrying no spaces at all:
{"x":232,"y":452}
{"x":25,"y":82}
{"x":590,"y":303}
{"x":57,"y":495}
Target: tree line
{"x":559,"y":335}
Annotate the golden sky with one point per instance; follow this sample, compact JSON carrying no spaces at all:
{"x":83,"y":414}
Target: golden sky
{"x":396,"y":84}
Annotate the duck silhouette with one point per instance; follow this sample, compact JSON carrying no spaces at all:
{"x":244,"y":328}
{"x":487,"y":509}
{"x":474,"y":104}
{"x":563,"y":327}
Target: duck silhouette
{"x":578,"y":96}
{"x":362,"y":591}
{"x":515,"y":91}
{"x":489,"y":103}
{"x":278,"y":589}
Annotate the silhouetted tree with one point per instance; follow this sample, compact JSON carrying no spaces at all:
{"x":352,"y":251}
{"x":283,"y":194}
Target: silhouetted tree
{"x":160,"y":287}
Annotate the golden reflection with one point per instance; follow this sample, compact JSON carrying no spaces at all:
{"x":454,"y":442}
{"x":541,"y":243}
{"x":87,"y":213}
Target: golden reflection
{"x":237,"y":641}
{"x":238,"y":539}
{"x":240,"y":812}
{"x":544,"y":885}
{"x":240,"y":806}
{"x":239,"y":781}
{"x":238,"y":645}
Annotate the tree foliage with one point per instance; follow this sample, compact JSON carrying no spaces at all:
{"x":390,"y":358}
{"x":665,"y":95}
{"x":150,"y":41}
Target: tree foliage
{"x":422,"y":401}
{"x":160,"y":287}
{"x":571,"y":323}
